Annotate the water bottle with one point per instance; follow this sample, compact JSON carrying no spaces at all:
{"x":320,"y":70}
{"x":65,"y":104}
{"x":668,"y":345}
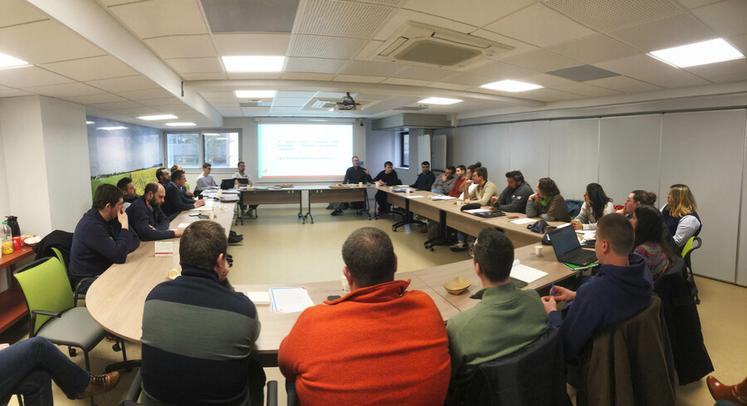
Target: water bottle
{"x":6,"y":238}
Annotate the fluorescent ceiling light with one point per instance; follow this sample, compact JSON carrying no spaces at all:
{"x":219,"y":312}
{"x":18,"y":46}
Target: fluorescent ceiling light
{"x":11,"y":62}
{"x":253,"y":63}
{"x":211,"y":134}
{"x":113,"y":128}
{"x":155,"y":117}
{"x":698,"y":53}
{"x":509,"y":85}
{"x":444,"y":101}
{"x":181,"y":124}
{"x":255,"y":94}
{"x":90,"y":122}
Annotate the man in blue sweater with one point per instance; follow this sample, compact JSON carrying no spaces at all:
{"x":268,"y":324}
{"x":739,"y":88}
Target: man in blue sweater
{"x":620,"y":290}
{"x":146,"y":217}
{"x":176,"y":201}
{"x":102,"y":237}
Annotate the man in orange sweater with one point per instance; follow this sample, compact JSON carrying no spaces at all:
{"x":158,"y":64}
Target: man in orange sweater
{"x":378,"y":345}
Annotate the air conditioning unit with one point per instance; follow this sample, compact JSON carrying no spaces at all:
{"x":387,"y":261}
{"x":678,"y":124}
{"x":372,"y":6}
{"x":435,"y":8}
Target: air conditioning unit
{"x":425,"y":44}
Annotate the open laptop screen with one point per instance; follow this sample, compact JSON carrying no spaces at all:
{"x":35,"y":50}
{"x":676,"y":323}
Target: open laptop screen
{"x":564,"y":240}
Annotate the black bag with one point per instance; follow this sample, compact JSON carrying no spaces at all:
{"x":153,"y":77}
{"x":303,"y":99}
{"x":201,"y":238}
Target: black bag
{"x":539,"y":227}
{"x":470,"y":206}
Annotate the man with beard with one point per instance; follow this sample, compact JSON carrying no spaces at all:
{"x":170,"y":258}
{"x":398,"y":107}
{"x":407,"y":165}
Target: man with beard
{"x":146,"y":217}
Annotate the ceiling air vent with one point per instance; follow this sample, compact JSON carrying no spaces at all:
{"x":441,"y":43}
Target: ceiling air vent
{"x":256,"y":104}
{"x":422,"y":43}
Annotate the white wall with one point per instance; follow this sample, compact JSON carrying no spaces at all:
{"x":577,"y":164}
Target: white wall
{"x":705,"y":150}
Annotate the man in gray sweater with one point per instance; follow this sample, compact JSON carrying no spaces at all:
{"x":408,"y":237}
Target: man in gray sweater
{"x":445,"y":182}
{"x":514,"y":197}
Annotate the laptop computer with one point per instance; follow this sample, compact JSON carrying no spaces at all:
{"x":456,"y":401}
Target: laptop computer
{"x":227,"y":183}
{"x":242,"y":181}
{"x":568,"y":249}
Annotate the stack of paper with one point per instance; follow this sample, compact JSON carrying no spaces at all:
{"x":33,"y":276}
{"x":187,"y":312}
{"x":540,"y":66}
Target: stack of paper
{"x":474,"y":211}
{"x":524,"y":221}
{"x":526,"y":273}
{"x":164,"y":248}
{"x":414,"y":196}
{"x":290,"y":300}
{"x":442,"y":197}
{"x":259,"y":298}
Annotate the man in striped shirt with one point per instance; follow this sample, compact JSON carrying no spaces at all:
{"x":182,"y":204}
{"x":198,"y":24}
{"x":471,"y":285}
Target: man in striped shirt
{"x":198,"y":333}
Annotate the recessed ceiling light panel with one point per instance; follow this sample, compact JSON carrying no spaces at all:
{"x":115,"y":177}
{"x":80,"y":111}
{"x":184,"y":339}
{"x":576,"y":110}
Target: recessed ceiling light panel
{"x":181,"y":124}
{"x":11,"y":62}
{"x":255,"y":94}
{"x":513,"y":86}
{"x":444,"y":101}
{"x":253,"y":63}
{"x":698,"y":53}
{"x":156,"y":117}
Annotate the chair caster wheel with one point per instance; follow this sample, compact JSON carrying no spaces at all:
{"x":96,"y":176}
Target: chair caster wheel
{"x":72,"y":351}
{"x":116,"y":347}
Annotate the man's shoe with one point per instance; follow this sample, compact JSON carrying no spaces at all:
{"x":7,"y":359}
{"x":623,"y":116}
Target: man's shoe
{"x":736,"y":394}
{"x":336,"y":212}
{"x":99,"y":384}
{"x":458,"y":247}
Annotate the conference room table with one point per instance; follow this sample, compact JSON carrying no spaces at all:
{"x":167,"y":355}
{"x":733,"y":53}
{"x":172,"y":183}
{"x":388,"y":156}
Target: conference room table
{"x":116,"y":299}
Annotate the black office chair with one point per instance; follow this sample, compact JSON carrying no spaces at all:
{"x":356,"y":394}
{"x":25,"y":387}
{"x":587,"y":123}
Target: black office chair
{"x":136,"y":388}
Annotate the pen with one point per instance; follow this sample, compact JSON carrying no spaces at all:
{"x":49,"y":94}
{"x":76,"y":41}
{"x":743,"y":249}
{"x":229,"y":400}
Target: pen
{"x":552,"y":290}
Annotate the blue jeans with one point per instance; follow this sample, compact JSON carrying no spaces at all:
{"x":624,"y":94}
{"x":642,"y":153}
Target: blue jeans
{"x":28,"y":368}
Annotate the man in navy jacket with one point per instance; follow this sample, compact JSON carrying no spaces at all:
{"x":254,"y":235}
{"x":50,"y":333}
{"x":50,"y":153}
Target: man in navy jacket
{"x":146,"y":217}
{"x":176,"y":201}
{"x":102,"y":237}
{"x":621,"y":289}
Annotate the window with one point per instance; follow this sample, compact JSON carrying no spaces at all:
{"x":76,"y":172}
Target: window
{"x":192,"y":149}
{"x":222,"y":149}
{"x":183,"y":149}
{"x":404,"y":152}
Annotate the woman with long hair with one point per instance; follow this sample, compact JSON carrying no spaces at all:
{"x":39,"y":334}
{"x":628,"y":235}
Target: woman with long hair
{"x":650,"y":240}
{"x":680,"y":215}
{"x":596,"y":204}
{"x":547,"y":202}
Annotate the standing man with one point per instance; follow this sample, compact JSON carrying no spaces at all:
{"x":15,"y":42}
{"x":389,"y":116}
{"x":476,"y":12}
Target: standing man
{"x":354,"y":175}
{"x":241,"y":174}
{"x":102,"y":236}
{"x":445,"y":182}
{"x":176,"y":201}
{"x":425,"y":178}
{"x":514,"y":197}
{"x":205,"y":180}
{"x":146,"y":217}
{"x":387,"y":177}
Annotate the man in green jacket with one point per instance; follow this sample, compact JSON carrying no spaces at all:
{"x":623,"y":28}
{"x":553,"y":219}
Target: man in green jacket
{"x":507,"y":318}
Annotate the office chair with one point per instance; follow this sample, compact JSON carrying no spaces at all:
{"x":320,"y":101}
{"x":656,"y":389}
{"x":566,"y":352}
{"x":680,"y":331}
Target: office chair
{"x":692,"y":244}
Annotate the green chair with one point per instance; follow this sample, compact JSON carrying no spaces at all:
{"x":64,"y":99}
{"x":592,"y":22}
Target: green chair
{"x":52,"y":310}
{"x":692,"y":244}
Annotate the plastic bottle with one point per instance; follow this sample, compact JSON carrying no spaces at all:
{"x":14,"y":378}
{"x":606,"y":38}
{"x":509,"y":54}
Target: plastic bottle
{"x":6,"y":237}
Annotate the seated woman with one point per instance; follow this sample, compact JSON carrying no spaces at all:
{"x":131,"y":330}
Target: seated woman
{"x":650,"y":242}
{"x":680,"y":215}
{"x":596,"y":204}
{"x":547,"y":202}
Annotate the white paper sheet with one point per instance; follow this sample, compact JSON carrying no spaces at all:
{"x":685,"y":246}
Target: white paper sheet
{"x":290,"y":300}
{"x":259,"y":298}
{"x":524,"y":221}
{"x":414,"y":196}
{"x":525,"y":273}
{"x":473,"y":211}
{"x":563,"y":225}
{"x":443,"y":197}
{"x":164,"y":248}
{"x":183,"y":225}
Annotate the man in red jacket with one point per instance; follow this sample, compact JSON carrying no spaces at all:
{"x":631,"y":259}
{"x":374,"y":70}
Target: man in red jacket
{"x":378,"y":345}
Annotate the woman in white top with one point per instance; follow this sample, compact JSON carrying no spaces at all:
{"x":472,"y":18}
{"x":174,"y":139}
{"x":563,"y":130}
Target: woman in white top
{"x":596,"y":204}
{"x":680,"y":215}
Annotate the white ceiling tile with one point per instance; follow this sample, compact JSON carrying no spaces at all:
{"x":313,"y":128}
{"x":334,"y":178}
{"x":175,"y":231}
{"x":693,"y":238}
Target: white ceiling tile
{"x":421,"y":73}
{"x":605,"y":15}
{"x":475,"y":12}
{"x":488,"y":73}
{"x":369,"y":68}
{"x":183,"y":46}
{"x":289,"y":102}
{"x":315,"y":46}
{"x":65,"y":90}
{"x":403,"y":16}
{"x":541,"y":61}
{"x":307,"y":76}
{"x":540,"y":26}
{"x":547,"y":95}
{"x":252,"y":44}
{"x":696,"y":3}
{"x":449,"y":86}
{"x":407,"y":82}
{"x":165,"y":101}
{"x":10,"y":92}
{"x":674,"y":31}
{"x":650,"y":70}
{"x":97,"y":67}
{"x":253,"y":111}
{"x":253,"y":75}
{"x":96,"y":98}
{"x":369,"y":50}
{"x":30,"y":76}
{"x":157,"y":18}
{"x":581,"y":88}
{"x":118,"y":106}
{"x":236,"y":112}
{"x":623,"y":84}
{"x":195,"y":65}
{"x":361,"y":79}
{"x":727,"y":17}
{"x":45,"y":41}
{"x":724,"y":72}
{"x":594,"y":48}
{"x":285,"y":109}
{"x":341,"y":18}
{"x":204,"y":76}
{"x":519,"y":47}
{"x":146,"y":94}
{"x":124,"y":84}
{"x":19,"y":12}
{"x":313,"y":65}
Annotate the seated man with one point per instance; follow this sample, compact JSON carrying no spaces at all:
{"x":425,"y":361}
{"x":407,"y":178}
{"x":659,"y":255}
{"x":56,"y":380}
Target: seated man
{"x":460,"y":179}
{"x":28,"y":367}
{"x":514,"y":197}
{"x":163,"y":176}
{"x":198,"y":333}
{"x":485,"y":190}
{"x":184,"y":188}
{"x":176,"y":201}
{"x":425,"y":177}
{"x":353,"y":175}
{"x":507,"y":318}
{"x":205,"y":180}
{"x":378,"y":345}
{"x":146,"y":217}
{"x":387,"y":177}
{"x":442,"y":185}
{"x":128,"y":190}
{"x":102,"y":236}
{"x":621,"y":289}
